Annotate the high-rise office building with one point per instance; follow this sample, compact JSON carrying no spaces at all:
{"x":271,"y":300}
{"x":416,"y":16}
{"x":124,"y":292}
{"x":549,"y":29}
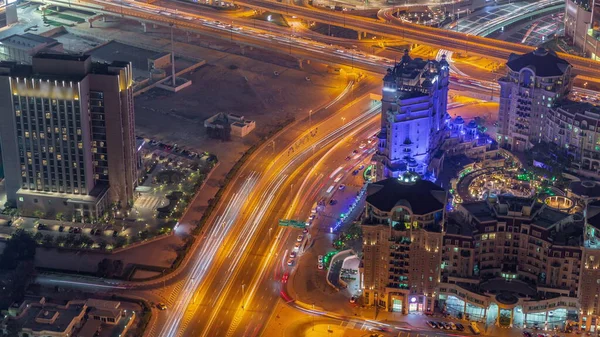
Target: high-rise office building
{"x":413,"y":111}
{"x":534,"y":83}
{"x":67,"y":135}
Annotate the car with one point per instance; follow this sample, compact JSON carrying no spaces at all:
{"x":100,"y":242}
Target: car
{"x":61,"y":228}
{"x":71,"y":229}
{"x":527,"y":334}
{"x":305,"y":230}
{"x":432,"y":324}
{"x":362,"y":145}
{"x":290,"y":262}
{"x":297,"y":246}
{"x":307,"y":78}
{"x":42,"y":226}
{"x":9,"y":223}
{"x":354,"y":151}
{"x":320,"y":258}
{"x":292,"y":254}
{"x":115,"y":234}
{"x":299,"y":238}
{"x":320,"y":265}
{"x":342,"y":187}
{"x":361,"y":167}
{"x":161,"y":306}
{"x":452,"y":325}
{"x":285,"y":278}
{"x":332,"y":202}
{"x":445,"y":325}
{"x":460,"y":327}
{"x":76,"y":230}
{"x":355,"y":172}
{"x":312,"y":217}
{"x":352,"y":299}
{"x":348,"y":158}
{"x":276,"y":73}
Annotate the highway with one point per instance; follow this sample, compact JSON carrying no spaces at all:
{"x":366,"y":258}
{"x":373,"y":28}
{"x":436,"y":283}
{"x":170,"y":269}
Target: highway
{"x":436,"y":37}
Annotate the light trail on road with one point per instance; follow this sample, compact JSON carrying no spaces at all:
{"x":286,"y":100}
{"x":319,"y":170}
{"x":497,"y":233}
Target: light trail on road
{"x":213,"y":240}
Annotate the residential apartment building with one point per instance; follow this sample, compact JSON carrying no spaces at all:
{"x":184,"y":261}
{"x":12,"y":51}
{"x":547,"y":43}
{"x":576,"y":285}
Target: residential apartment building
{"x":504,"y":261}
{"x":67,"y":135}
{"x":402,"y":234}
{"x":413,"y":111}
{"x":535,"y":82}
{"x":582,"y":26}
{"x":575,"y":127}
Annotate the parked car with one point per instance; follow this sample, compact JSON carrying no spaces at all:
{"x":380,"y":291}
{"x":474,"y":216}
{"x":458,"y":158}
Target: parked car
{"x":290,"y":262}
{"x":460,"y":327}
{"x":61,"y":228}
{"x":432,"y":324}
{"x":161,"y":306}
{"x":42,"y":227}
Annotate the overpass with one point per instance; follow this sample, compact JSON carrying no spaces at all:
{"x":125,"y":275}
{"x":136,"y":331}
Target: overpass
{"x":436,"y":37}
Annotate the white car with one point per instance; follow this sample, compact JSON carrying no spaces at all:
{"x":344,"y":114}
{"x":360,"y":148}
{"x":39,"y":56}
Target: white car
{"x":320,"y":259}
{"x":297,"y":246}
{"x":292,"y":254}
{"x":362,"y":145}
{"x":300,"y":238}
{"x":290,"y":262}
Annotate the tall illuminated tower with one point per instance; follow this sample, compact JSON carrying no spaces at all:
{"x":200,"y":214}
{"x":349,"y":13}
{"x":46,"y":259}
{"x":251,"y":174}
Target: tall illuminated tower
{"x":414,"y":104}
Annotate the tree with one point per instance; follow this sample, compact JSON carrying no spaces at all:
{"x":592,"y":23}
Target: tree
{"x":60,"y":216}
{"x":48,"y":240}
{"x":20,"y":247}
{"x":38,"y":214}
{"x":105,"y":268}
{"x":13,"y":328}
{"x":117,"y":267}
{"x":38,"y":237}
{"x":120,"y":241}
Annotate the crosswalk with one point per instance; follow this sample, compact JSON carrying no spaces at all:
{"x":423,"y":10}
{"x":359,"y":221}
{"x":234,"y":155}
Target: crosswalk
{"x":355,"y":325}
{"x":148,"y":201}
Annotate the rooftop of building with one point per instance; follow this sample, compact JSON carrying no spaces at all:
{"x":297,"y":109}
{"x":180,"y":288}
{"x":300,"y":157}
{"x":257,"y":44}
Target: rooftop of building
{"x":49,"y":317}
{"x":547,"y":217}
{"x":527,"y":210}
{"x":585,"y":188}
{"x":26,"y":41}
{"x":14,"y":69}
{"x":422,"y":196}
{"x":412,"y":69}
{"x":456,"y":227}
{"x":571,"y":235}
{"x":543,"y":62}
{"x":574,"y":107}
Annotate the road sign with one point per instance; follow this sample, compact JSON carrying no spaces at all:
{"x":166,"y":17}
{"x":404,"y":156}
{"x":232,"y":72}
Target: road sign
{"x":292,"y":223}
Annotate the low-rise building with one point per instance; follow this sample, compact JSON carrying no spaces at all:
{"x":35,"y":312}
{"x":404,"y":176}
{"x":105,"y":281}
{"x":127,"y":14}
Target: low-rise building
{"x":22,"y":48}
{"x":38,"y":318}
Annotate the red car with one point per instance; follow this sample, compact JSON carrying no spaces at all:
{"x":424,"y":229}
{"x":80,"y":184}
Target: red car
{"x":285,"y":277}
